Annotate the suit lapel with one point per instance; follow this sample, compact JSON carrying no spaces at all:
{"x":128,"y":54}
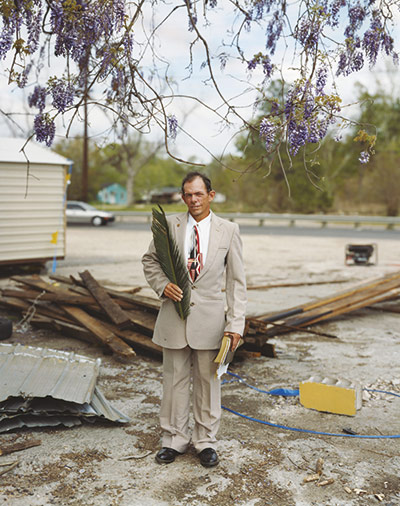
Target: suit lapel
{"x":213,"y":243}
{"x":180,"y":233}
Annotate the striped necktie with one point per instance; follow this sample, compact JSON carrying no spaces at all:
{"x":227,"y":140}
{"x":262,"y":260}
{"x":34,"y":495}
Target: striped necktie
{"x":195,"y":261}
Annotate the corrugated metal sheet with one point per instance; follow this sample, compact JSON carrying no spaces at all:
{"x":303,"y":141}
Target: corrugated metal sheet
{"x":10,"y":151}
{"x":43,"y":387}
{"x":98,"y":407}
{"x":7,"y":423}
{"x":37,"y":372}
{"x":32,"y":221}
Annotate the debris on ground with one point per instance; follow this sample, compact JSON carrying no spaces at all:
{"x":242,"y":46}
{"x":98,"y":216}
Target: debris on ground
{"x":379,"y":290}
{"x":17,"y":447}
{"x":9,"y":466}
{"x":123,"y":322}
{"x":44,"y":387}
{"x":67,"y":305}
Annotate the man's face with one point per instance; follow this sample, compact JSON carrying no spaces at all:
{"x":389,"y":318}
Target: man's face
{"x":197,"y":198}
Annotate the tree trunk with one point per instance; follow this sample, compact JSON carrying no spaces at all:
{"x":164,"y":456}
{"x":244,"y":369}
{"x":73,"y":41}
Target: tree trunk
{"x":130,"y":182}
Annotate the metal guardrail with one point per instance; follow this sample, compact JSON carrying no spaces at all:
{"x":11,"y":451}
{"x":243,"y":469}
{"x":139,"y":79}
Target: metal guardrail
{"x":389,"y":222}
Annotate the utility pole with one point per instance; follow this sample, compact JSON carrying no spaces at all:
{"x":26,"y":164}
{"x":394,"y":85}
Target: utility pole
{"x":85,"y":157}
{"x":85,"y":154}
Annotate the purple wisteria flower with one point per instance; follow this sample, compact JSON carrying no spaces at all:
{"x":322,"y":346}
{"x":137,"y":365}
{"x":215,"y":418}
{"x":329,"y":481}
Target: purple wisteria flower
{"x":309,"y":31}
{"x":351,"y":58}
{"x":274,"y":31}
{"x":223,"y":60}
{"x":357,"y":14}
{"x":172,"y":126}
{"x":364,"y":157}
{"x":375,"y":39}
{"x":44,"y":128}
{"x":264,"y":61}
{"x":334,"y":12}
{"x":192,"y":22}
{"x":268,"y":131}
{"x":308,"y":114}
{"x":321,"y":78}
{"x":98,"y":38}
{"x":63,"y":94}
{"x":6,"y":39}
{"x":38,"y":98}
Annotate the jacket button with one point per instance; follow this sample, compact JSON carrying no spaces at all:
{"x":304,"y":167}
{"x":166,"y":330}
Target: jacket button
{"x":192,"y":303}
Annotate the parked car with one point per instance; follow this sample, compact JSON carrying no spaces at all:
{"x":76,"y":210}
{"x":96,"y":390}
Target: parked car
{"x":80,"y":212}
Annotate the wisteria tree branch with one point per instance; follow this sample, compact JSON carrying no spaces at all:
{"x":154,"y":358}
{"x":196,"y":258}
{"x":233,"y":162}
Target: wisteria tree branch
{"x":112,"y":52}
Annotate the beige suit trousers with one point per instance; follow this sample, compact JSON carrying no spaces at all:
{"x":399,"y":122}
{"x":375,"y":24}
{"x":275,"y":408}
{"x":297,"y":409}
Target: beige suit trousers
{"x":175,"y":405}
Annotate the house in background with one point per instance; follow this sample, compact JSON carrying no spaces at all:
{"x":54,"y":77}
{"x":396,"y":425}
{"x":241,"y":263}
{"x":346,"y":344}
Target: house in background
{"x":32,"y":202}
{"x":166,"y":195}
{"x":114,"y":194}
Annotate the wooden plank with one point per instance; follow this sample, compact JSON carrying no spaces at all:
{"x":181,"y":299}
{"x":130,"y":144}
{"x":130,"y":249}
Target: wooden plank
{"x":333,"y":298}
{"x":64,"y":327}
{"x":136,"y":340}
{"x":23,"y":306}
{"x":113,"y":310}
{"x":142,"y":321}
{"x":97,"y":328}
{"x":139,"y":301}
{"x":345,"y":305}
{"x":290,"y":328}
{"x":65,"y":298}
{"x":14,"y":303}
{"x":299,"y":283}
{"x":342,"y":298}
{"x":357,"y":305}
{"x":39,"y":284}
{"x":17,"y":447}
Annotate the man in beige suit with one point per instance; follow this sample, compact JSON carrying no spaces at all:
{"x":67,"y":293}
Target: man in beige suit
{"x":195,"y":342}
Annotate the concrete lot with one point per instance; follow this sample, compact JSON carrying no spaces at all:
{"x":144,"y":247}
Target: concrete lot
{"x":260,"y":465}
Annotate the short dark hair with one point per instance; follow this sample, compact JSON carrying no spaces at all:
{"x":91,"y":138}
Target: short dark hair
{"x":192,"y":175}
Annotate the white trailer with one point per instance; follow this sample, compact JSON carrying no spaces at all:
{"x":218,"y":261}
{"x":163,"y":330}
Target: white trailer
{"x":32,"y":203}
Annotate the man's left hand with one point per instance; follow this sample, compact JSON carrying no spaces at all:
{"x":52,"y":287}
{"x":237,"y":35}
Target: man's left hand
{"x":235,"y":339}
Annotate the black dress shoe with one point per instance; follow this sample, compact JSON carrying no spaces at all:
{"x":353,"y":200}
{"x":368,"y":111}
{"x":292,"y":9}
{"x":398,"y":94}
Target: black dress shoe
{"x":208,"y":457}
{"x":166,"y":455}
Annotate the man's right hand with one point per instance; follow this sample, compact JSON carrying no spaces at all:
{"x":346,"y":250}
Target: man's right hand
{"x":173,"y":292}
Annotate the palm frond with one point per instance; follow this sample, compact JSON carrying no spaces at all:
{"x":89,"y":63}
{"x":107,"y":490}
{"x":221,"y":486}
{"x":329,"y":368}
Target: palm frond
{"x":171,"y":260}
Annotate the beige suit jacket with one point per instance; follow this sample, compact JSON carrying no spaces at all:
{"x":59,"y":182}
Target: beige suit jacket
{"x":207,"y":321}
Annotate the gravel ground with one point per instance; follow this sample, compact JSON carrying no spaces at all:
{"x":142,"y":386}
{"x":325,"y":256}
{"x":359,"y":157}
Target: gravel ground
{"x":261,"y":465}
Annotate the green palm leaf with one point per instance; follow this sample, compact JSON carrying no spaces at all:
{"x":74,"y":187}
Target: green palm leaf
{"x":171,"y":260}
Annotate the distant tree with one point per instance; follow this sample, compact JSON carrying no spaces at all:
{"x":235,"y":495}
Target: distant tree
{"x":300,"y":188}
{"x":130,"y":156}
{"x":158,"y":173}
{"x":380,"y":114}
{"x":113,"y":50}
{"x":101,"y":172}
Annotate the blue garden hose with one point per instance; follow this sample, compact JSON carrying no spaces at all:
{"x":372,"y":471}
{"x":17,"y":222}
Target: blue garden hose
{"x":291,"y":393}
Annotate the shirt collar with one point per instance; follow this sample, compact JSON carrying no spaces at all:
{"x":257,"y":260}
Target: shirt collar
{"x":204,"y":221}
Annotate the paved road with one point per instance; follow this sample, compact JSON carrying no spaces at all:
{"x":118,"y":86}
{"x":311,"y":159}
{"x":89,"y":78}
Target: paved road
{"x":376,"y":233}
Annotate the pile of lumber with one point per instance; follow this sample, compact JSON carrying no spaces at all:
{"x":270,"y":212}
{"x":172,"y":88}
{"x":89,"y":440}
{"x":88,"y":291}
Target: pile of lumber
{"x":82,"y":308}
{"x":123,"y":322}
{"x":320,"y":310}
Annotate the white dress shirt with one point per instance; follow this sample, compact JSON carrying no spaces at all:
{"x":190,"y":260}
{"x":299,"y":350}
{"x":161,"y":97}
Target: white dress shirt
{"x":203,"y":227}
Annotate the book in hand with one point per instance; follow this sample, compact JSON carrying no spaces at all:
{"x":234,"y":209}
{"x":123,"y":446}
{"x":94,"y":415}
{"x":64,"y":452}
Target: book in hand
{"x":225,"y":356}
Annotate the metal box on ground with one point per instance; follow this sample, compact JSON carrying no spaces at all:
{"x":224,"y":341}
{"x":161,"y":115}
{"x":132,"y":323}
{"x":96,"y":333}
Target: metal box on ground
{"x":361,"y":254}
